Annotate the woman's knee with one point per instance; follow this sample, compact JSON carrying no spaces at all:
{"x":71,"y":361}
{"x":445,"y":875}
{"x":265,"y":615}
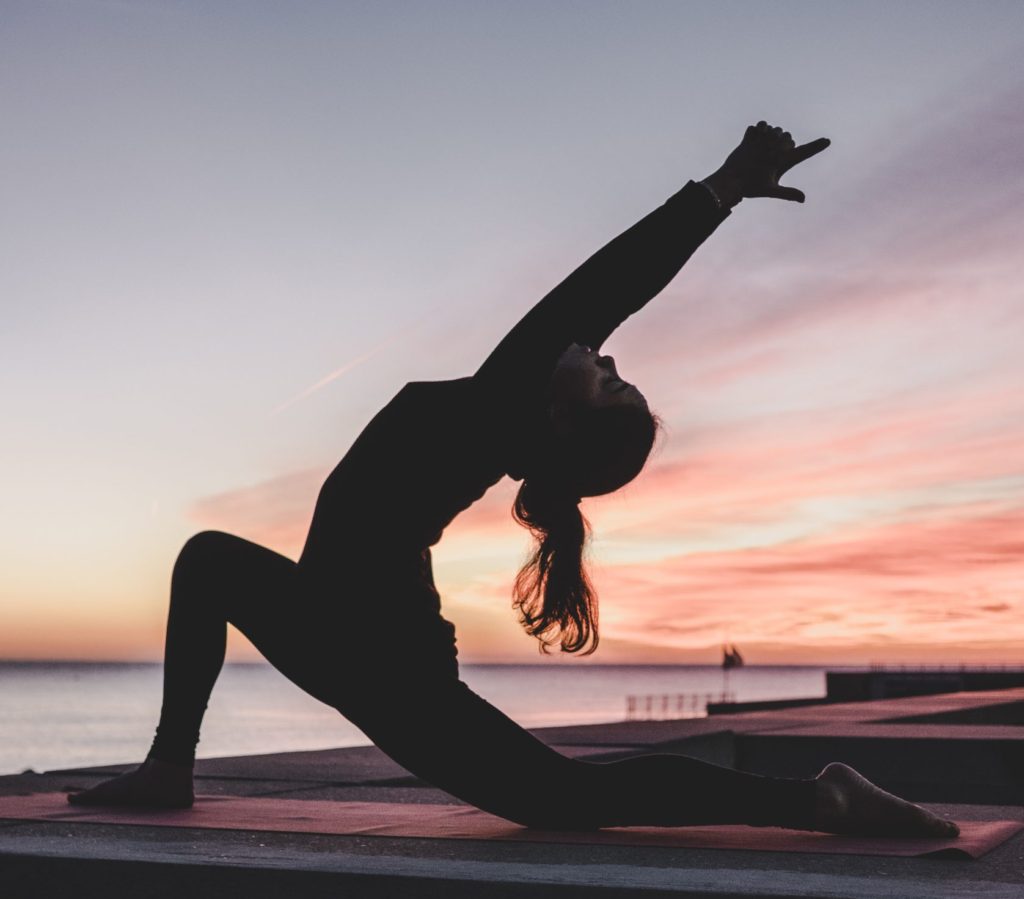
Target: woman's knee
{"x":561,"y":798}
{"x":208,"y":541}
{"x":204,"y":561}
{"x":202,"y":549}
{"x":547,"y":817}
{"x":242,"y":578}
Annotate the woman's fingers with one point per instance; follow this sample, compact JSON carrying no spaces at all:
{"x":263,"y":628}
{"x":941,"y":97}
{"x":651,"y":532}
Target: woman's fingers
{"x":794,"y":156}
{"x":806,"y":151}
{"x":786,"y":193}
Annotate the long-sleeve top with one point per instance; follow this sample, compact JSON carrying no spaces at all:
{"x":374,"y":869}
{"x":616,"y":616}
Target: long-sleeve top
{"x":438,"y":446}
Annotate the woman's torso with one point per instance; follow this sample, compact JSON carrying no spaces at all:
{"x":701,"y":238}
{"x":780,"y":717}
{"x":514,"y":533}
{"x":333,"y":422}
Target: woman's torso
{"x":430,"y":453}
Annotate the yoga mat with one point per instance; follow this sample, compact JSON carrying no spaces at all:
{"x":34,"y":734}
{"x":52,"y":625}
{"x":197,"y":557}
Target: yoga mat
{"x":459,"y":822}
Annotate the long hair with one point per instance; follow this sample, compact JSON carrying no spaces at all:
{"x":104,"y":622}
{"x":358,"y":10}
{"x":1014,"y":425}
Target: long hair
{"x":604,"y":450}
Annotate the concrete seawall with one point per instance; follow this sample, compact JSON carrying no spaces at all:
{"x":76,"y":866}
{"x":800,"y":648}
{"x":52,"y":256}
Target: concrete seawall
{"x":962,"y":754}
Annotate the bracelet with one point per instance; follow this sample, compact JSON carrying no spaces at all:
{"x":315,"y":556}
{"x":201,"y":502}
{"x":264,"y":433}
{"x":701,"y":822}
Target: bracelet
{"x":710,"y":190}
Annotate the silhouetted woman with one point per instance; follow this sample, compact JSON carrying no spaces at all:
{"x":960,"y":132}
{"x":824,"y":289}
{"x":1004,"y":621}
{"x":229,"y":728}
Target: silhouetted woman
{"x":357,"y":621}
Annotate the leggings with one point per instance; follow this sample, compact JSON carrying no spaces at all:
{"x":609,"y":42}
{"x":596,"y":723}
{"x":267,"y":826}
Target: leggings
{"x":431,"y":724}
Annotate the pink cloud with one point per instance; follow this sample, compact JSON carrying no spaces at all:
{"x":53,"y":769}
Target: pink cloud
{"x":275,"y":512}
{"x":930,"y":583}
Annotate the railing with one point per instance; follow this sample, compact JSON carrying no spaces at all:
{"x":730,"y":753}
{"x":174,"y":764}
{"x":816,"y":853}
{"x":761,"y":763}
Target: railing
{"x":662,"y":706}
{"x":1013,"y":667}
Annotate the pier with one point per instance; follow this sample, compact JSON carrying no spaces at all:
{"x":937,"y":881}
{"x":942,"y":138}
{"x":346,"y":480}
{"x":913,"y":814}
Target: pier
{"x":660,"y":706}
{"x":958,"y":753}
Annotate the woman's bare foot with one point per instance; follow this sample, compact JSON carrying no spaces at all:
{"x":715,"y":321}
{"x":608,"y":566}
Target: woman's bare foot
{"x":154,"y":784}
{"x":848,"y":802}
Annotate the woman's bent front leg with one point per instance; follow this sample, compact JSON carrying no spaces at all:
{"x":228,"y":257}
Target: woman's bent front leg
{"x":217,"y":578}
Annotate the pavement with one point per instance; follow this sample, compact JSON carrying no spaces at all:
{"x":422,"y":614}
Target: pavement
{"x":960,"y":754}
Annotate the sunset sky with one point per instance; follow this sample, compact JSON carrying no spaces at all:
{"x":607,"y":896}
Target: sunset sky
{"x":234,"y":230}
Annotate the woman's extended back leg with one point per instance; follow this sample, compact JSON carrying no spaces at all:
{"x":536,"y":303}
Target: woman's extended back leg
{"x":449,"y":736}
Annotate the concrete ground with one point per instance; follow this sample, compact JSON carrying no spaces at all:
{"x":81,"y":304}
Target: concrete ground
{"x":946,"y":754}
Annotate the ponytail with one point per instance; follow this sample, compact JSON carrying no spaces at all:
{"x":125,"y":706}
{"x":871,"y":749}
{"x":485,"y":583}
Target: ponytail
{"x":552,"y":592}
{"x":605,"y":449}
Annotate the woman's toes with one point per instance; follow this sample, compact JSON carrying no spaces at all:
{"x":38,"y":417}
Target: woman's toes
{"x":112,"y":791}
{"x":142,"y":787}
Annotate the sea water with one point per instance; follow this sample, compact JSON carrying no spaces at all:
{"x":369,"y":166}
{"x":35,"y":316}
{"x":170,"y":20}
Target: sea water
{"x":68,"y":715}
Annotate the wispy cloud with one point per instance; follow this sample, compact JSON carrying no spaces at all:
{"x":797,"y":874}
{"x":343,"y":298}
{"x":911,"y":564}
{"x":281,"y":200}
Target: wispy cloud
{"x":338,"y":372}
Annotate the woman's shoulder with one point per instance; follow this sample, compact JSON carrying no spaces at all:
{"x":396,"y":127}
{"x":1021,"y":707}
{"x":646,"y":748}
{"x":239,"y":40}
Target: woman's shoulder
{"x":465,"y":401}
{"x":453,"y":396}
{"x":451,"y":392}
{"x":450,"y":384}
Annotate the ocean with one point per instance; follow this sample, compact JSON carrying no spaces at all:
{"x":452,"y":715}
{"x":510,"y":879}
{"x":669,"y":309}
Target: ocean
{"x":67,"y":715}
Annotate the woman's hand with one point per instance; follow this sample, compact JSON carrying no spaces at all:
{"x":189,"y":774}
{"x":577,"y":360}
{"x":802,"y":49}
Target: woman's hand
{"x":753,"y":169}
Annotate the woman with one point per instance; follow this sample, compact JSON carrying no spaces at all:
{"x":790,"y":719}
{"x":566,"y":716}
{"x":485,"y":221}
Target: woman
{"x":357,"y":623}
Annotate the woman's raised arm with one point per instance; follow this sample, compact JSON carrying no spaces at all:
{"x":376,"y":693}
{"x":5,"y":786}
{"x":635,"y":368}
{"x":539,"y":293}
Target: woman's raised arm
{"x":627,"y":273}
{"x":618,"y":280}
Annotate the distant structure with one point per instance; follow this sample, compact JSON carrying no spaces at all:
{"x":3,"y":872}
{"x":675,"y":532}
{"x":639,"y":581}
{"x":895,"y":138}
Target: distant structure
{"x":897,"y":681}
{"x":731,"y":657}
{"x":900,"y":682}
{"x":654,"y":707}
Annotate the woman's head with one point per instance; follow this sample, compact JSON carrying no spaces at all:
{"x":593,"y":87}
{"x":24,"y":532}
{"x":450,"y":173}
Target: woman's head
{"x":599,"y":430}
{"x":597,"y":437}
{"x":583,"y":378}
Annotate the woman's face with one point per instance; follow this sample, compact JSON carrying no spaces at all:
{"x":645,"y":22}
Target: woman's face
{"x":583,"y":377}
